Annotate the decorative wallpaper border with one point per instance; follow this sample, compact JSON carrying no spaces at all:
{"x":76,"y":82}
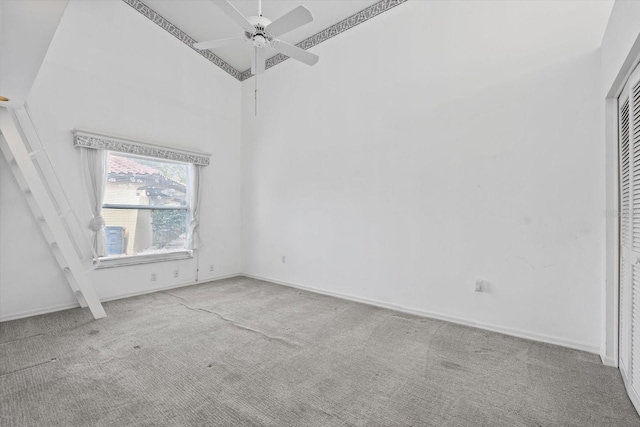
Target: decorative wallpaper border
{"x":344,"y":25}
{"x":347,"y":23}
{"x":180,"y":35}
{"x":101,"y":142}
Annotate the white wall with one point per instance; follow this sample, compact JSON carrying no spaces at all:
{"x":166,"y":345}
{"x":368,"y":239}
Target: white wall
{"x":620,"y":52}
{"x":111,"y":70}
{"x":25,"y":26}
{"x":439,"y":143}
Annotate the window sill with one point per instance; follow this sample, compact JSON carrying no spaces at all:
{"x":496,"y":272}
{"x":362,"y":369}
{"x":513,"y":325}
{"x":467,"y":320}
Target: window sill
{"x":109,"y":262}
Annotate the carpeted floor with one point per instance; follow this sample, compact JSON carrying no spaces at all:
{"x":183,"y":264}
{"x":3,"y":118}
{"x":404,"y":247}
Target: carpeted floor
{"x":242,"y":352}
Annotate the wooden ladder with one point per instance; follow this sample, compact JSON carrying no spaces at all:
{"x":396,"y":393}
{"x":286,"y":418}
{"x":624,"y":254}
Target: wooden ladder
{"x":60,"y":226}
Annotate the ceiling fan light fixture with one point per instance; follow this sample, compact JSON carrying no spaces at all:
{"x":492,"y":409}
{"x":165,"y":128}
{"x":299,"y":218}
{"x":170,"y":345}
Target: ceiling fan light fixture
{"x":259,"y":40}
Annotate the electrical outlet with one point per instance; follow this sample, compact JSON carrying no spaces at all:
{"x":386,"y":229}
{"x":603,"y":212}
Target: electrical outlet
{"x":176,"y":273}
{"x":211,"y":268}
{"x":284,"y":259}
{"x":154,"y":277}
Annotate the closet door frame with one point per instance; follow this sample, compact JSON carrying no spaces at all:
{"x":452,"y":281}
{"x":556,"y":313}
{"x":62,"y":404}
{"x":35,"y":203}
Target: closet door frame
{"x":626,"y":258}
{"x":626,"y":242}
{"x":628,"y":77}
{"x":611,"y":222}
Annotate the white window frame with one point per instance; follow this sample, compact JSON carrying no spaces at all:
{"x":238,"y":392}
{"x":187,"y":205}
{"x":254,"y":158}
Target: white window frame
{"x":115,"y":260}
{"x":135,"y":148}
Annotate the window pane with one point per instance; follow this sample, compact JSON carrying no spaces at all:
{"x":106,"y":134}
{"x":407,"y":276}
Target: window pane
{"x":137,"y":181}
{"x":143,"y":231}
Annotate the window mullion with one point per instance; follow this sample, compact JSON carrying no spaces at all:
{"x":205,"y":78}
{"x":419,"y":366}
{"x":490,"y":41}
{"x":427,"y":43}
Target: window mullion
{"x":145,"y":207}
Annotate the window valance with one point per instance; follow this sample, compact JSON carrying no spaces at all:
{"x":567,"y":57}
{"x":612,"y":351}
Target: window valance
{"x":102,"y":142}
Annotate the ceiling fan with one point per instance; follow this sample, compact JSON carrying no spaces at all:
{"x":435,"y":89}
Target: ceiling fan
{"x":262,"y":32}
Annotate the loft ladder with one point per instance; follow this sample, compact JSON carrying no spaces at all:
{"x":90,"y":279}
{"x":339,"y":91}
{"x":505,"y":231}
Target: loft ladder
{"x":59,"y":223}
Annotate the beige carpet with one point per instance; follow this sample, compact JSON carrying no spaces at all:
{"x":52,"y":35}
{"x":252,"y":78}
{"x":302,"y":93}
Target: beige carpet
{"x":241,"y":352}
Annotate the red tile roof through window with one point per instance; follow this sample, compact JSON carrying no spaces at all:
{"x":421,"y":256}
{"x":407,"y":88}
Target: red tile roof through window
{"x":124,"y":165}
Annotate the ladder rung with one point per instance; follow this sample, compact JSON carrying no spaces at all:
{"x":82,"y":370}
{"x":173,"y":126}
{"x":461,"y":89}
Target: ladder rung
{"x":37,"y":180}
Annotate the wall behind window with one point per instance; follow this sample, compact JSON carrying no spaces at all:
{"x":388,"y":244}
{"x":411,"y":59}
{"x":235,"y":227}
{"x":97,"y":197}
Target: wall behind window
{"x":439,"y":143}
{"x":110,"y":69}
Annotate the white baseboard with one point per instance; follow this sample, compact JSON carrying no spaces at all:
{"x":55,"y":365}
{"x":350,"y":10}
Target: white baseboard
{"x":609,"y":361}
{"x":38,"y":311}
{"x":534,"y":336}
{"x":60,"y":307}
{"x":166,"y":288}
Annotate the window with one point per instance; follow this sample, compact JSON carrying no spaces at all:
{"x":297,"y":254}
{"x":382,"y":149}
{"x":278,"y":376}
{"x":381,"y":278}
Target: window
{"x":146,"y":196}
{"x":145,"y":205}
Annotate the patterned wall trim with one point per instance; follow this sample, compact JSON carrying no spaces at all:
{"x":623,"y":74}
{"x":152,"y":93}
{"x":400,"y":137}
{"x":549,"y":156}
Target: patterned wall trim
{"x":101,"y":142}
{"x":348,"y":23}
{"x":326,"y":34}
{"x":180,"y":35}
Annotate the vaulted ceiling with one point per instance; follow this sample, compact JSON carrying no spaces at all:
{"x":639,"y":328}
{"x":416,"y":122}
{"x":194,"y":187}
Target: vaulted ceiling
{"x":32,"y":24}
{"x":26,"y":29}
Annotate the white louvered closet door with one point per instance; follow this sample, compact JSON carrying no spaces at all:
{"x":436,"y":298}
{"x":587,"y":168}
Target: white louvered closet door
{"x":629,"y":149}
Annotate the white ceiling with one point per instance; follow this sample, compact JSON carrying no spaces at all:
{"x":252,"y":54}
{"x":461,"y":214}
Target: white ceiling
{"x":203,"y":21}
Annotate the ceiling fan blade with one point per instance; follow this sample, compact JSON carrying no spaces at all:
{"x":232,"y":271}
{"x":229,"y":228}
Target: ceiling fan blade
{"x":234,"y":14}
{"x":213,"y":44}
{"x":295,"y":52}
{"x":260,"y":60}
{"x":290,"y":21}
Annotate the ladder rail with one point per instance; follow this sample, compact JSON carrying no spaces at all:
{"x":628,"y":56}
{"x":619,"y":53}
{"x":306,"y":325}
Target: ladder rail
{"x":84,"y":247}
{"x":4,"y":147}
{"x":68,"y":215}
{"x":40,"y":200}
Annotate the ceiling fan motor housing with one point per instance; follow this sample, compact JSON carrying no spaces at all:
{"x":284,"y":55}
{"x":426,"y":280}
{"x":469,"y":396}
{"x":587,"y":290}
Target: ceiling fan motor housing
{"x":260,"y":37}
